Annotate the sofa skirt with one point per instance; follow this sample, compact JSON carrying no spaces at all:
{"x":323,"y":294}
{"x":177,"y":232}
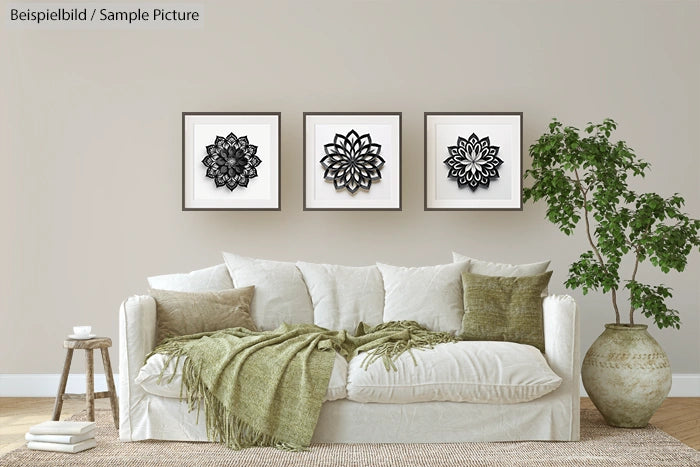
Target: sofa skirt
{"x":551,"y":417}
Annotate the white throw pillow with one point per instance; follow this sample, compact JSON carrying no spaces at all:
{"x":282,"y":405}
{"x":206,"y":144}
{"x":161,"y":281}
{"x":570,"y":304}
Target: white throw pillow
{"x":486,"y":268}
{"x":212,"y":279}
{"x":473,"y":371}
{"x":343,"y":296}
{"x":280,"y":292}
{"x":430,"y":295}
{"x":169,"y":384}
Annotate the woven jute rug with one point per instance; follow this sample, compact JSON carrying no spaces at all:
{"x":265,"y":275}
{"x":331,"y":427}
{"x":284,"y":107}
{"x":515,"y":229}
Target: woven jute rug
{"x":600,"y":445}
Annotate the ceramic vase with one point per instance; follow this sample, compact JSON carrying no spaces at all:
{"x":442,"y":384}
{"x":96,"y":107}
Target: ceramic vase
{"x":627,"y":375}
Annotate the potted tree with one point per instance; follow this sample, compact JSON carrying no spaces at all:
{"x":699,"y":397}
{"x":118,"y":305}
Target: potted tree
{"x":583,"y":176}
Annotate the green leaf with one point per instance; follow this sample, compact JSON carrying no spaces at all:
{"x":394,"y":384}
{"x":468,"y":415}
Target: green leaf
{"x":584,"y":176}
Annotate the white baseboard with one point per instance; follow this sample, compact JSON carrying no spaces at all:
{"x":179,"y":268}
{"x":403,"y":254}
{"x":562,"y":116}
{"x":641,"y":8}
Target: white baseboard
{"x":46,"y":385}
{"x":682,"y":385}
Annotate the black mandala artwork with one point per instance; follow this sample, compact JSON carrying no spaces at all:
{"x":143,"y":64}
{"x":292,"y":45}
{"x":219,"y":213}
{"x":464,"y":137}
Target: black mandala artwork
{"x":352,"y":161}
{"x":231,"y":161}
{"x":473,"y":162}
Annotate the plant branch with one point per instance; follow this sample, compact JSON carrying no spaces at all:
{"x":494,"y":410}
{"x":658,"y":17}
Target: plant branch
{"x":634,"y":275}
{"x":593,"y":245}
{"x":636,"y":266}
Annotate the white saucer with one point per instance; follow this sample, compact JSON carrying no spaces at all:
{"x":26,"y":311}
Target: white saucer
{"x":81,"y":338}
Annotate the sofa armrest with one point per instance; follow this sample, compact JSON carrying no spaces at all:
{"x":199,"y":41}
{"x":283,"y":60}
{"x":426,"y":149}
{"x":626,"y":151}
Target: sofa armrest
{"x":561,"y":336}
{"x":562,"y":348}
{"x":137,"y":335}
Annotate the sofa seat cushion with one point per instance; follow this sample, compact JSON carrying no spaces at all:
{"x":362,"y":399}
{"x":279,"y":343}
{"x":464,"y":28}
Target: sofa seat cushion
{"x":168,"y":385}
{"x":475,"y":371}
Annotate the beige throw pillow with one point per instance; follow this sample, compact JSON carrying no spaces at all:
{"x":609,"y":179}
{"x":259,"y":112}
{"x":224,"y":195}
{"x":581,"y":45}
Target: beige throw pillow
{"x":182,"y":313}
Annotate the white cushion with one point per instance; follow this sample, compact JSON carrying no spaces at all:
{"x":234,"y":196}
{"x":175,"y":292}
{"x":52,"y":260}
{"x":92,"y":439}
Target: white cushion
{"x":149,"y":376}
{"x":210,"y":279}
{"x":430,"y":295}
{"x":476,"y":371}
{"x":487,"y":268}
{"x":343,"y":296}
{"x":280,"y":292}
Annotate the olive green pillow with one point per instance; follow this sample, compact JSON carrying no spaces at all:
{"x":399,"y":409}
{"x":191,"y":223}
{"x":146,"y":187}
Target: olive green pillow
{"x":182,"y":313}
{"x":504,"y":308}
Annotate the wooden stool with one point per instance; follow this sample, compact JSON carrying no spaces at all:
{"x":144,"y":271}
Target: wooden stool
{"x":102,"y":343}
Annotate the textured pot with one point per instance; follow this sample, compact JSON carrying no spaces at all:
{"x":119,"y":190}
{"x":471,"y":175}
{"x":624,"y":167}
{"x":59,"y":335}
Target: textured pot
{"x":627,"y":375}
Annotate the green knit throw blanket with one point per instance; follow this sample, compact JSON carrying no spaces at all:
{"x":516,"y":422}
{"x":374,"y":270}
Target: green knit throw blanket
{"x":266,"y":388}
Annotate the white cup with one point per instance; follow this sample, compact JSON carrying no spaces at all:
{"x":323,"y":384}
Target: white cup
{"x":82,"y":331}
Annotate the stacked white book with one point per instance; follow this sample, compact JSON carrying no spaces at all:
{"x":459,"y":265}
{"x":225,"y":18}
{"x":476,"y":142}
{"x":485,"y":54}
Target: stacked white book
{"x":65,"y":436}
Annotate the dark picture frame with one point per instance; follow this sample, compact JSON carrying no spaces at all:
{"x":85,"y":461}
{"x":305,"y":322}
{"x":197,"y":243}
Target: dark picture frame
{"x":352,"y":161}
{"x":473,"y":161}
{"x":231,"y":161}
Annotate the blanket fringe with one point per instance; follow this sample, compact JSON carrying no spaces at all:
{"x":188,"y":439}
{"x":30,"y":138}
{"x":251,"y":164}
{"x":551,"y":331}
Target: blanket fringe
{"x":222,"y":425}
{"x":419,"y":338}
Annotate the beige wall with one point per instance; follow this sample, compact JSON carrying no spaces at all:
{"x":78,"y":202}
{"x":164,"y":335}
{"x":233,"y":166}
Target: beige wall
{"x":91,"y":149}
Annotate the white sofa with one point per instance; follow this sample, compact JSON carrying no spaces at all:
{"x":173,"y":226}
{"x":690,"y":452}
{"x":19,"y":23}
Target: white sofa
{"x":554,"y":416}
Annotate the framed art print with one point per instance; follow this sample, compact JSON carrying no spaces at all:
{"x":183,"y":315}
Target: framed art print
{"x":352,"y":161}
{"x":231,"y":161}
{"x":473,"y":161}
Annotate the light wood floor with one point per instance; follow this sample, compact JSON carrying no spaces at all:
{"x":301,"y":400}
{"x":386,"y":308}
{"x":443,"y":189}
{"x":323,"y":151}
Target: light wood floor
{"x":17,"y":414}
{"x":678,"y":416}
